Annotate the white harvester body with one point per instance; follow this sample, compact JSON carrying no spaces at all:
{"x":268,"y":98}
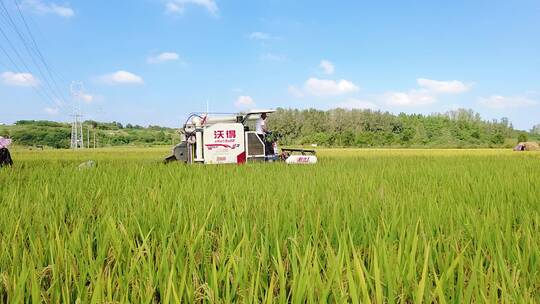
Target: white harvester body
{"x":228,"y":140}
{"x":224,"y":143}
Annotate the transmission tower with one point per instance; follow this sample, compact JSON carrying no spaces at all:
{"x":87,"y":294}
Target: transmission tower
{"x":77,"y":135}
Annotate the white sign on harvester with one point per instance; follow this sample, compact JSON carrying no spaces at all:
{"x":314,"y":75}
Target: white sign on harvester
{"x":224,"y":144}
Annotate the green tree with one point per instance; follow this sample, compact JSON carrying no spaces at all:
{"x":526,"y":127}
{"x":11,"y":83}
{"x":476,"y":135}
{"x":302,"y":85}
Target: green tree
{"x":497,"y":138}
{"x":522,"y":137}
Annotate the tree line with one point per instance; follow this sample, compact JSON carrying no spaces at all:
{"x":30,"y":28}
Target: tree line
{"x":460,"y":128}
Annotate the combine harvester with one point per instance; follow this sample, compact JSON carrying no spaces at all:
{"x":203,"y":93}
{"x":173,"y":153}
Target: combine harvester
{"x":229,"y":140}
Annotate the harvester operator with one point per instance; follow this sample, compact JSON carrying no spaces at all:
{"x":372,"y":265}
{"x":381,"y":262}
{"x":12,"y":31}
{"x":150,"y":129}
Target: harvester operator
{"x":260,"y":126}
{"x":262,"y":130}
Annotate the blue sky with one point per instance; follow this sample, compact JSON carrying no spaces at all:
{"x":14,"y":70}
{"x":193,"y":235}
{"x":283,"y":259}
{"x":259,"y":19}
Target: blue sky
{"x":154,"y":61}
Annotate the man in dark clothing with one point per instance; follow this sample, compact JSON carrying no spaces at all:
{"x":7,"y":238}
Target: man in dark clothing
{"x":5,"y":157}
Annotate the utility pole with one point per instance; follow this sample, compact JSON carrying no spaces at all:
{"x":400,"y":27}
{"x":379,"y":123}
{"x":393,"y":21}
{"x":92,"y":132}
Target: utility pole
{"x":74,"y":136}
{"x":76,"y":131}
{"x":82,"y":133}
{"x":77,"y":135}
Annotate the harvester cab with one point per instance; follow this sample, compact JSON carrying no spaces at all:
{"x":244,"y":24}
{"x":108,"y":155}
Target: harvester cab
{"x":218,"y":139}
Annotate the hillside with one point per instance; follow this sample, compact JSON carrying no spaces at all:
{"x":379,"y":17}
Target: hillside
{"x":57,"y":135}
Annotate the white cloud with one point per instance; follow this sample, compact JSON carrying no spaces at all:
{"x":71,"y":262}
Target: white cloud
{"x":19,"y":79}
{"x":121,"y":77}
{"x":179,"y":6}
{"x":174,"y":8}
{"x":163,"y":57}
{"x":443,"y":87}
{"x":357,"y":104}
{"x":51,"y":111}
{"x":244,"y":102}
{"x":272,"y":57}
{"x":87,"y":98}
{"x":42,"y":7}
{"x":427,"y":94}
{"x":326,"y":87}
{"x":327,"y":67}
{"x":296,"y":92}
{"x":506,"y":102}
{"x":260,"y":36}
{"x":410,"y":98}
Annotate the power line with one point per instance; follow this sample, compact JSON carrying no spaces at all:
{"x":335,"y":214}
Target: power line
{"x":28,"y":49}
{"x":37,"y":50}
{"x":11,"y":22}
{"x":32,"y":24}
{"x":43,"y":93}
{"x":20,"y":59}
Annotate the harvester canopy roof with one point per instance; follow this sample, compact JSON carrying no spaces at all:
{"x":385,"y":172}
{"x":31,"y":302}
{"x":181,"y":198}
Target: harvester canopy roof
{"x":259,"y":111}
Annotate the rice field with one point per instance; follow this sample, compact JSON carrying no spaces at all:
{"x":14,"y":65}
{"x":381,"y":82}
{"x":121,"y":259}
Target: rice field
{"x":444,"y":226}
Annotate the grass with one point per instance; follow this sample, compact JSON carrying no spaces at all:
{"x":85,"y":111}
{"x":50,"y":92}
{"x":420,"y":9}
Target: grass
{"x":445,"y":226}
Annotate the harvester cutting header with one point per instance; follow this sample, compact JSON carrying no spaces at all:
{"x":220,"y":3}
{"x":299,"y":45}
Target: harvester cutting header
{"x":217,"y":139}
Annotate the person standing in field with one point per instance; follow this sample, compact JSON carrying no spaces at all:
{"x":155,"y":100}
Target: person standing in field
{"x":5,"y":157}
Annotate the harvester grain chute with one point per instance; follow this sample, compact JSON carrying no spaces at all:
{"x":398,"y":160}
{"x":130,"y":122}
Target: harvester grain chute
{"x":216,"y":139}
